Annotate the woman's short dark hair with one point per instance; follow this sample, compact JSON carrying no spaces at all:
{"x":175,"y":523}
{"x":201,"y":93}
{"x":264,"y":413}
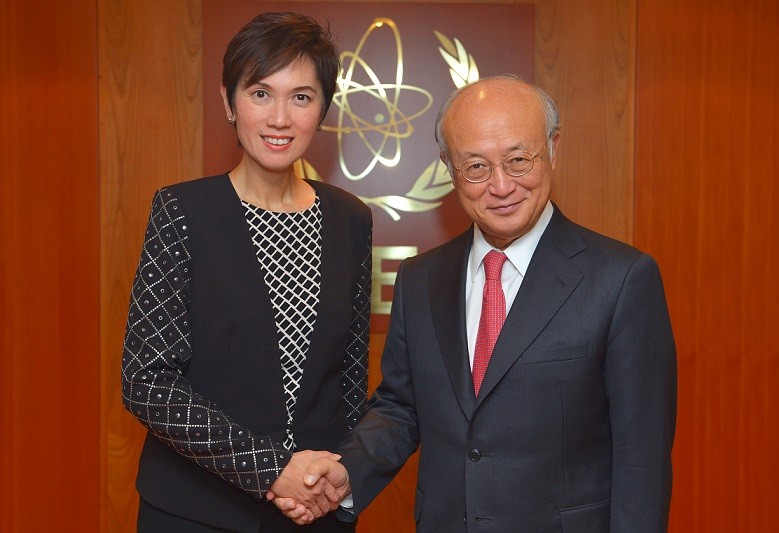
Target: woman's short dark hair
{"x":273,"y":41}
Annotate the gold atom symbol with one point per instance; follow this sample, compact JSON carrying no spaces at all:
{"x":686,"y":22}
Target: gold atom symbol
{"x":382,"y":134}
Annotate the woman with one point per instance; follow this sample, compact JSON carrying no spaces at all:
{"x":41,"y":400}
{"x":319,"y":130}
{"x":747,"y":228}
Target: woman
{"x":247,"y":333}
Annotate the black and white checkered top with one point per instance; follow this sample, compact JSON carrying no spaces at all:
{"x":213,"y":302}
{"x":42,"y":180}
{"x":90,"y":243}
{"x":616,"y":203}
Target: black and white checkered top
{"x":289,"y":248}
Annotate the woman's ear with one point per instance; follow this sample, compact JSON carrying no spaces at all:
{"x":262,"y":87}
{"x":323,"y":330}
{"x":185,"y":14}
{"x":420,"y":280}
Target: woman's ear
{"x":226,"y":103}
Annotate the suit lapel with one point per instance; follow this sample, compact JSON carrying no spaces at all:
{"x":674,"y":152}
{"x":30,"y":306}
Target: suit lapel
{"x":237,"y":238}
{"x":549,"y":281}
{"x":447,"y":301}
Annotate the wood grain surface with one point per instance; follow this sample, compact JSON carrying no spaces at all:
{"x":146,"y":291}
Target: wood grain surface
{"x":150,"y":135}
{"x":706,"y":208}
{"x":49,"y":277}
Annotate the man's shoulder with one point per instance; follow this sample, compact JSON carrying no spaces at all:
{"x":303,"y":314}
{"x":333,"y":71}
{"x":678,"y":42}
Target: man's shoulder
{"x":607,"y":244}
{"x":564,"y":230}
{"x":452,"y":250}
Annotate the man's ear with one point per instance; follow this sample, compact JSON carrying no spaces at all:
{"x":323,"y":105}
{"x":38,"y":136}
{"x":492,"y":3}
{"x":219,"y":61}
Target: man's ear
{"x":445,"y":160}
{"x":555,"y":146}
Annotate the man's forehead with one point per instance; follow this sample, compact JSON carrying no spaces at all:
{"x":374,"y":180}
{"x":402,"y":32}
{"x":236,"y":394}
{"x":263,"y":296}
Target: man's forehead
{"x":486,"y":89}
{"x":515,"y":118}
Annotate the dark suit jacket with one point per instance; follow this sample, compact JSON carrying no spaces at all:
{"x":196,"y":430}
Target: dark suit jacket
{"x":573,"y":426}
{"x":201,"y":359}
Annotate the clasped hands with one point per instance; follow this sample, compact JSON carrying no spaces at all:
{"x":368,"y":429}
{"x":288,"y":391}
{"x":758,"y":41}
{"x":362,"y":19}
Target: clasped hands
{"x":312,"y":484}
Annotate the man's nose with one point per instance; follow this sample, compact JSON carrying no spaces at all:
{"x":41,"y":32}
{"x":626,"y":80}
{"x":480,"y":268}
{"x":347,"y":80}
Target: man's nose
{"x":501,"y":183}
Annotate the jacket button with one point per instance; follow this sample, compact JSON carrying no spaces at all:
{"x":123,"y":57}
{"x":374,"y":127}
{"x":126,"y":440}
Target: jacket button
{"x":474,"y":455}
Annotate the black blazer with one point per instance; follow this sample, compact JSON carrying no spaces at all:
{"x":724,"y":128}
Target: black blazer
{"x":573,"y":426}
{"x":201,"y":358}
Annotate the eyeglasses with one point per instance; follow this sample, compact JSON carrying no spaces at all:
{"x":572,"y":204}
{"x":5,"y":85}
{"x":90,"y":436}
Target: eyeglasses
{"x":517,"y":164}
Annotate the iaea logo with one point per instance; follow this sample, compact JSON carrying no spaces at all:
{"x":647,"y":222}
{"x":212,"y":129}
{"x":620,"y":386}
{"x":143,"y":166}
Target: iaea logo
{"x":382,"y":124}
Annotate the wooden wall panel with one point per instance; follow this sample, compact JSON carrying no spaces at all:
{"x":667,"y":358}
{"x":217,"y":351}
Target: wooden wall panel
{"x":150,"y":135}
{"x":49,"y":336}
{"x":585,"y":58}
{"x":707,"y":209}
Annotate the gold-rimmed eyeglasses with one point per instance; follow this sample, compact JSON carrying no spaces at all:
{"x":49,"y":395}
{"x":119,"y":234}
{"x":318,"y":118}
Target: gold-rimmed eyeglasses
{"x":516,"y":164}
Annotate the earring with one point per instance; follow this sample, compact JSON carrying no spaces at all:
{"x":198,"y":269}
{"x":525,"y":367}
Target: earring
{"x":319,"y":128}
{"x":231,"y":119}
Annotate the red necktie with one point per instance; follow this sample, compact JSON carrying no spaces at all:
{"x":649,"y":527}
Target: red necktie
{"x":493,"y":314}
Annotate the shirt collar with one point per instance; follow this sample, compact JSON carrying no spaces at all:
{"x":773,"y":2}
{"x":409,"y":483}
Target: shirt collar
{"x":518,"y":252}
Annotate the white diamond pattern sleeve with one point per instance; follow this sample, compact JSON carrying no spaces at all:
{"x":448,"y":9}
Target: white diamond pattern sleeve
{"x":355,"y":370}
{"x":156,"y":351}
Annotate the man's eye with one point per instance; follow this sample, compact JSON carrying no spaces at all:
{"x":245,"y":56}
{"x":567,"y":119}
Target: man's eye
{"x":478,"y":165}
{"x":518,"y":159}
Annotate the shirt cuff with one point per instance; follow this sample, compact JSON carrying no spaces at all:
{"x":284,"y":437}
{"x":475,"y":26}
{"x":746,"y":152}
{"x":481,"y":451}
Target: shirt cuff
{"x":348,"y":503}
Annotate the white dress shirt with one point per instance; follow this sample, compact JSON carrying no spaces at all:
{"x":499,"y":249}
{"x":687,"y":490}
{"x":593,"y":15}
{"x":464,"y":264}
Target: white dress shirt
{"x":518,"y":254}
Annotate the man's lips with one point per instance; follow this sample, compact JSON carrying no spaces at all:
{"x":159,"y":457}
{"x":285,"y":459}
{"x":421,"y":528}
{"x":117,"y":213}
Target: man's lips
{"x":506,"y":208}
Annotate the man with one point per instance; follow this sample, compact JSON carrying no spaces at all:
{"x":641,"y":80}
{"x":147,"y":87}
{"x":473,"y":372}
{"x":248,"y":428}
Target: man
{"x":570,"y":427}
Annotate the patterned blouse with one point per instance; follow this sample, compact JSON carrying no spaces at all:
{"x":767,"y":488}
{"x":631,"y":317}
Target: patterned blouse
{"x":289,"y":248}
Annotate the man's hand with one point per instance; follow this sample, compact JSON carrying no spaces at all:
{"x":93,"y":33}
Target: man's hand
{"x":303,"y":502}
{"x":337,"y":486}
{"x":323,"y":472}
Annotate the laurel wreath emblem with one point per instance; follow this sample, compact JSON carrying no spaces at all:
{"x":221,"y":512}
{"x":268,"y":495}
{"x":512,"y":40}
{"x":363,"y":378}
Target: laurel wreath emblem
{"x":434,"y":182}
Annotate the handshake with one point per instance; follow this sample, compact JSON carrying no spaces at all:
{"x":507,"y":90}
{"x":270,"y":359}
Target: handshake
{"x":311,"y":485}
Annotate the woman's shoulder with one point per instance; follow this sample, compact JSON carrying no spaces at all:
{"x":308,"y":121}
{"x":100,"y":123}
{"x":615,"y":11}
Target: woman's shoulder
{"x":201,"y":195}
{"x":341,"y":199}
{"x":205,"y":185}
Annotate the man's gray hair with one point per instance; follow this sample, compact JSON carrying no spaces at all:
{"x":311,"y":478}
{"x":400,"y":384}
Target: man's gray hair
{"x":550,"y":112}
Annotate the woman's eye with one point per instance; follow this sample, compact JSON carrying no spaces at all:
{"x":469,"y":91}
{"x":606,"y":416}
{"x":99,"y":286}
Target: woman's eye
{"x":259,"y":93}
{"x":302,"y":98}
